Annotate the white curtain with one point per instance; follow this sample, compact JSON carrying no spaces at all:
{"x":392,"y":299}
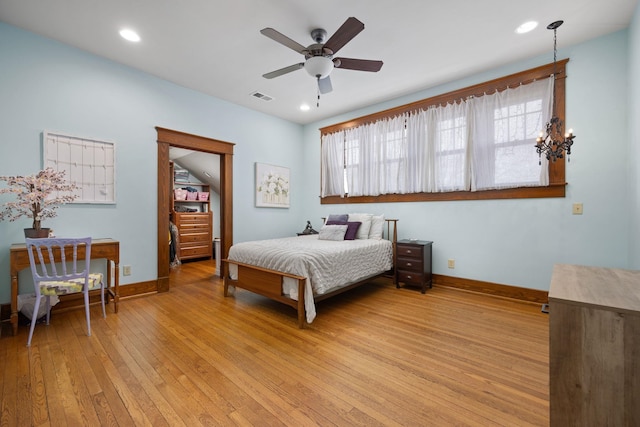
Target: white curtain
{"x":504,"y":128}
{"x":476,"y":144}
{"x":360,"y":150}
{"x":417,"y":175}
{"x":332,"y":164}
{"x":450,"y":138}
{"x":374,"y":157}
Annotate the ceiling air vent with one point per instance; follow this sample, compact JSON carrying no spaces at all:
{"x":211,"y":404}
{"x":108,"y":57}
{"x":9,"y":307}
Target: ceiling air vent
{"x":262,"y":96}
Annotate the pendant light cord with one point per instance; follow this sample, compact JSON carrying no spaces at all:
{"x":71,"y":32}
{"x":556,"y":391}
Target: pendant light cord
{"x":555,"y":56}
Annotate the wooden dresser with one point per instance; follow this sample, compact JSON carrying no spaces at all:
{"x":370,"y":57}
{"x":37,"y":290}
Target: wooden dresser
{"x":594,"y":346}
{"x":195,"y":235}
{"x":192,"y":216}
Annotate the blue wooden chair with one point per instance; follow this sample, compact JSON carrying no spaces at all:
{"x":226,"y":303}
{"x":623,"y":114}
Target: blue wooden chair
{"x":58,"y":268}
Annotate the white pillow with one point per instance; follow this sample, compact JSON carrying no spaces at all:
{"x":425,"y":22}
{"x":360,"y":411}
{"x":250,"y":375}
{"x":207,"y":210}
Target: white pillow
{"x":365,"y":219}
{"x":377,"y":227}
{"x":332,"y":232}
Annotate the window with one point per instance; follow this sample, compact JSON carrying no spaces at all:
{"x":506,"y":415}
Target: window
{"x":515,"y":126}
{"x":451,"y":143}
{"x":461,"y":145}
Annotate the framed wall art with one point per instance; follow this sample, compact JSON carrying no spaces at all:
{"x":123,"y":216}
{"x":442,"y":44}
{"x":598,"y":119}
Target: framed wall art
{"x":88,"y":162}
{"x":272,"y":186}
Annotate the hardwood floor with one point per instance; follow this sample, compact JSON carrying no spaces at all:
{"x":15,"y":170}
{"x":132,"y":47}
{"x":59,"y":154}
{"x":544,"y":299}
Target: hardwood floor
{"x":374,"y":356}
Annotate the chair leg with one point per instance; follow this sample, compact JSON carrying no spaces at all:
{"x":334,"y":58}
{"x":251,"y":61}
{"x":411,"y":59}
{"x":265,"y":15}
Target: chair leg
{"x":34,"y":318}
{"x":86,"y":310}
{"x":48,"y":298}
{"x":104,"y":312}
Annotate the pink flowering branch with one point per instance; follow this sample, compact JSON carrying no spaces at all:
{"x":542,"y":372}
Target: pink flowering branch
{"x":35,"y":195}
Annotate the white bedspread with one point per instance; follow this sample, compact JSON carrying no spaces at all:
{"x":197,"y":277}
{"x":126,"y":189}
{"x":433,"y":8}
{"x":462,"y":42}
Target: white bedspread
{"x":326,"y":264}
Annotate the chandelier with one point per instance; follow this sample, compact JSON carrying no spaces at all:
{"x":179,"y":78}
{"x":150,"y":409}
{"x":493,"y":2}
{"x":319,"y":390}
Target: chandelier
{"x":554,"y":143}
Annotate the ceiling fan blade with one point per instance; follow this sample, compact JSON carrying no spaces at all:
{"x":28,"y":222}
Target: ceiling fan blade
{"x":358,"y":64}
{"x":282,"y":39}
{"x":345,"y":33}
{"x":284,"y":70}
{"x":324,"y":85}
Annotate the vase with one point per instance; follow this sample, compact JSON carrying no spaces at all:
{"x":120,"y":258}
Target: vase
{"x":33,"y":233}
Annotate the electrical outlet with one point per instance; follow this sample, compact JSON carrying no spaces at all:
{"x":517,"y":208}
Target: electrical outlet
{"x":577,"y":208}
{"x":126,"y":270}
{"x":451,"y":263}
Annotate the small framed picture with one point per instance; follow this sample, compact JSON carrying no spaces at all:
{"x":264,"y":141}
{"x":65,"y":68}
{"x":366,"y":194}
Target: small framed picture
{"x":272,"y":186}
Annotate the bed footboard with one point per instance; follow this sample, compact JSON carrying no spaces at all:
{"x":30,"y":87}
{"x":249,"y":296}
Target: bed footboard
{"x":267,"y":283}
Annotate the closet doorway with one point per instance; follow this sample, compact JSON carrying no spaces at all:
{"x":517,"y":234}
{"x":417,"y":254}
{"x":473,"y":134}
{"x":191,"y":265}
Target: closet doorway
{"x":169,"y":138}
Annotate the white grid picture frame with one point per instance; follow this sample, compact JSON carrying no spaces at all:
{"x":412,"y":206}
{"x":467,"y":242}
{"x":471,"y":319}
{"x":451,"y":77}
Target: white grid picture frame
{"x":88,"y":162}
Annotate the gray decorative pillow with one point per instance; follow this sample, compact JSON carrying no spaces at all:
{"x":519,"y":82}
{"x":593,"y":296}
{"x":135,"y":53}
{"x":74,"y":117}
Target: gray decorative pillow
{"x":332,"y":232}
{"x":352,"y":228}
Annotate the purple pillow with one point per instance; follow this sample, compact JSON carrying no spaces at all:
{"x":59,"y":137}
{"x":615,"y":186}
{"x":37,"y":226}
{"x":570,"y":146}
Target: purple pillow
{"x":352,"y":228}
{"x":338,"y":217}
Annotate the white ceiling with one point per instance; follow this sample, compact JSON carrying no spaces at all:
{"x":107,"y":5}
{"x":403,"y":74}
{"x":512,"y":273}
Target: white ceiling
{"x":205,"y":167}
{"x":215,"y":46}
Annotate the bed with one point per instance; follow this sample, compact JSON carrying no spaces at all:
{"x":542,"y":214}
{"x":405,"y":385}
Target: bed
{"x":300,"y":271}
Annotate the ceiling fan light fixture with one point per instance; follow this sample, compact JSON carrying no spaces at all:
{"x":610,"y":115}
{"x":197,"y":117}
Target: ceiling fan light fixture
{"x":318,"y":66}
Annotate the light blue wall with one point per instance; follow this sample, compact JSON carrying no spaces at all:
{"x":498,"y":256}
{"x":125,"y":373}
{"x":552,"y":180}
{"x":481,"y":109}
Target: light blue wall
{"x":516,"y":242}
{"x":48,"y":85}
{"x":45,"y":85}
{"x":634,"y":133}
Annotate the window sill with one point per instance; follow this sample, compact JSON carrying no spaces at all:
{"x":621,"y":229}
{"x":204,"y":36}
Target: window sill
{"x":554,"y":190}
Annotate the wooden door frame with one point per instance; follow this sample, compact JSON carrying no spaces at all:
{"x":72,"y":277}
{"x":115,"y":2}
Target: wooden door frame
{"x":170,"y":138}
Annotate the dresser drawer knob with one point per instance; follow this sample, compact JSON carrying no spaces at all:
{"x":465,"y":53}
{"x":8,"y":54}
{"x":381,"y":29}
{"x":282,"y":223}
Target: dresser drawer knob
{"x":409,"y":264}
{"x":408,"y":277}
{"x":408,"y":251}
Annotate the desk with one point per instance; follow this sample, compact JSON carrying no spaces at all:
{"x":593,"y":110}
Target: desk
{"x":108,"y":249}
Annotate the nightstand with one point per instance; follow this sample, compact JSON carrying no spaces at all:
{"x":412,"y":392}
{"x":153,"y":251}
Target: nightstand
{"x":413,"y":263}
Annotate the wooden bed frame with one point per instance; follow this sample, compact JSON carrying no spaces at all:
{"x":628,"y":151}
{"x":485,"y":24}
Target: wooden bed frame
{"x":268,"y":282}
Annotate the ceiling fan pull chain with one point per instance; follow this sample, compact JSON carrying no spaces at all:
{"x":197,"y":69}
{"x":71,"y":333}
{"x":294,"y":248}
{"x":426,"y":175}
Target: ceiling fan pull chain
{"x":318,"y":87}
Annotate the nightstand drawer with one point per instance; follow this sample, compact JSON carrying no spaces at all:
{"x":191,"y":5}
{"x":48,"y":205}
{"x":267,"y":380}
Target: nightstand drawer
{"x":409,"y":251}
{"x":410,"y":264}
{"x":411,"y":277}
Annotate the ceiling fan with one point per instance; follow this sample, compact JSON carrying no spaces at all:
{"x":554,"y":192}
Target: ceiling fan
{"x":319,"y":60}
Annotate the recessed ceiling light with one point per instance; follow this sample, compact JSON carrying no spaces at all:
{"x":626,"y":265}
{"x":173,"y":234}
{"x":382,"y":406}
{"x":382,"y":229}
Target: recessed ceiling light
{"x":130,"y":35}
{"x":305,"y":107}
{"x":526,"y":27}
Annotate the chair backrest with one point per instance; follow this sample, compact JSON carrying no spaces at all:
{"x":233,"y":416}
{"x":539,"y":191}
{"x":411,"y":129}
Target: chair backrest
{"x":63,"y":259}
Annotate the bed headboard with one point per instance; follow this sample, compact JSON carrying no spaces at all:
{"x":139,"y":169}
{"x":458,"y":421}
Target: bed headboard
{"x":391,"y":229}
